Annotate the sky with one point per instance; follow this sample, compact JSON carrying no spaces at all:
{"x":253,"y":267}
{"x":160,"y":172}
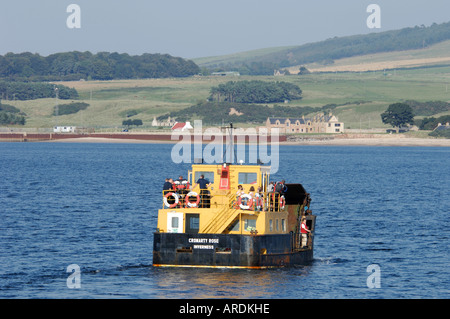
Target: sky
{"x":197,"y":28}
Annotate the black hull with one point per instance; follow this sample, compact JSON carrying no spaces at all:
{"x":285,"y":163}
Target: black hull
{"x":223,"y":250}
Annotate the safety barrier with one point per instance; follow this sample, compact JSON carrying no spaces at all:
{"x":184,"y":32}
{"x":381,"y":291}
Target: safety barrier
{"x":271,"y":201}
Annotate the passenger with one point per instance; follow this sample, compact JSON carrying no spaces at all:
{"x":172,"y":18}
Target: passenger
{"x":252,"y":192}
{"x":259,"y":197}
{"x":281,"y":187}
{"x":279,"y":191}
{"x":270,"y":187}
{"x":204,"y":192}
{"x":167,"y":186}
{"x":304,"y":232}
{"x":240,"y":191}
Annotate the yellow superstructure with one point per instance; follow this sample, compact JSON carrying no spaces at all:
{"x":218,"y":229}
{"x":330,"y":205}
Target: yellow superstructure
{"x":220,"y":210}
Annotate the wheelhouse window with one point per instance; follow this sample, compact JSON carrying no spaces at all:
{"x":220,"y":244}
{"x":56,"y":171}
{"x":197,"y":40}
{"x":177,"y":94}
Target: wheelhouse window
{"x":208,"y":175}
{"x":247,"y":178}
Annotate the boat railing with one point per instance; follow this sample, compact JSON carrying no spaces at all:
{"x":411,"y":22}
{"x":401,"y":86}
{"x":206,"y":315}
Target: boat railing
{"x":186,"y":199}
{"x":264,"y":201}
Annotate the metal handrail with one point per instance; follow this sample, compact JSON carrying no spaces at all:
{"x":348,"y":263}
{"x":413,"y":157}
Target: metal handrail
{"x":178,"y":199}
{"x":265,"y":201}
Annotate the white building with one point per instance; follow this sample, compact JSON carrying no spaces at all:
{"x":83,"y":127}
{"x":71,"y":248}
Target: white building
{"x":64,"y":129}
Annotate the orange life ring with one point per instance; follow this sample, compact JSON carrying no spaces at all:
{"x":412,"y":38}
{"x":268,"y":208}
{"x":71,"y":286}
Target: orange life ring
{"x":189,"y":203}
{"x":174,"y":195}
{"x":282,"y":202}
{"x":249,"y":202}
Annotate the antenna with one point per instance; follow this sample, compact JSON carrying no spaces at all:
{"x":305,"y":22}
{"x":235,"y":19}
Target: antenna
{"x":230,"y":146}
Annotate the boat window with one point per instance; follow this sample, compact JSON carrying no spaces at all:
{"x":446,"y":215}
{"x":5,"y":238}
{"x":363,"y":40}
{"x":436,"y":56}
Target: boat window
{"x":270,"y":224}
{"x":283,"y":225}
{"x":250,"y":224}
{"x":208,"y":175}
{"x":247,"y":178}
{"x":175,"y":222}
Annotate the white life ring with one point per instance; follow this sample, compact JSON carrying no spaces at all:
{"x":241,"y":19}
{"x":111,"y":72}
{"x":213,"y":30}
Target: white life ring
{"x":174,"y":195}
{"x":249,"y":202}
{"x":192,"y":204}
{"x":282,"y":202}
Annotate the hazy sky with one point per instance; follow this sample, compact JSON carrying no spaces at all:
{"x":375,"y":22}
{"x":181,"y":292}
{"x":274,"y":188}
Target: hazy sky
{"x":197,"y":28}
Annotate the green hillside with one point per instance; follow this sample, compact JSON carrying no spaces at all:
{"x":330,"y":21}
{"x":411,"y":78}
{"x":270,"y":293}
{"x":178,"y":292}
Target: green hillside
{"x":357,"y":98}
{"x":326,"y":52}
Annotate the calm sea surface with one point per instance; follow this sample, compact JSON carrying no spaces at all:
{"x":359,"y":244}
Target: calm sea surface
{"x":95,"y":205}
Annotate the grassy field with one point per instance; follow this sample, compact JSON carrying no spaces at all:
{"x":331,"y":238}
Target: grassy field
{"x":361,"y":96}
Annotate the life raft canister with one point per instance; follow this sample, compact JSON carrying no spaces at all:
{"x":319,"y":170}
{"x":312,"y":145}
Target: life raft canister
{"x":181,"y":185}
{"x":249,"y":201}
{"x":174,"y":195}
{"x":189,"y":203}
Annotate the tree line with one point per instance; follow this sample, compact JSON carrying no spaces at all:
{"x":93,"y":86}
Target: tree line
{"x":71,"y":108}
{"x":77,"y":65}
{"x":10,"y":115}
{"x":255,"y":91}
{"x":340,"y":47}
{"x":399,"y":114}
{"x":430,"y":123}
{"x":428,"y":108}
{"x":10,"y":90}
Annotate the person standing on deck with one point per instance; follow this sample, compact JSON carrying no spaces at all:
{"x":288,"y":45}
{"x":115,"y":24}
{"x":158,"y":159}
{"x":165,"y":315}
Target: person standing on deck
{"x":304,"y":231}
{"x":204,"y":193}
{"x":168,"y":186}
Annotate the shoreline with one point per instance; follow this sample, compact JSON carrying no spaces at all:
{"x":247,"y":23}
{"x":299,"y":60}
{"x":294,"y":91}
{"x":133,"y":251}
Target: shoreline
{"x":420,"y":142}
{"x":320,"y":140}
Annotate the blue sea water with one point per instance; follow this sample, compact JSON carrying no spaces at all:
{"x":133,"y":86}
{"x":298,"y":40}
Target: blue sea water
{"x":95,"y":205}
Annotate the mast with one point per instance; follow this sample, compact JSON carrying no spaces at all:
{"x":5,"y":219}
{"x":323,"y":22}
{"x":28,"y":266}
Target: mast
{"x":229,"y":148}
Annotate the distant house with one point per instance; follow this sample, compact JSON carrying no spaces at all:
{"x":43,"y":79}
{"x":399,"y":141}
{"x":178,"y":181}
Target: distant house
{"x":182,"y":126}
{"x":317,"y":124}
{"x":64,"y":129}
{"x":168,"y":122}
{"x":400,"y":130}
{"x":441,"y":127}
{"x":228,"y":73}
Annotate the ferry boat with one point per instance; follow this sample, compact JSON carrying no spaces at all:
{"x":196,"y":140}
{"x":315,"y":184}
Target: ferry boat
{"x":220,"y":227}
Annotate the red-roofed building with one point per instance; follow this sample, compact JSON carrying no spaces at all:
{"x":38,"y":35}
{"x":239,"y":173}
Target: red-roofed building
{"x":182,"y":126}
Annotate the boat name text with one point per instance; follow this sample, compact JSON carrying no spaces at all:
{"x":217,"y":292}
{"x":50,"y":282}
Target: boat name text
{"x":204,"y":240}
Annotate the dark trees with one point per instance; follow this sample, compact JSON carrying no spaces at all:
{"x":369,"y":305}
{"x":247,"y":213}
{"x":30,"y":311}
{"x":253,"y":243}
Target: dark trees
{"x":398,"y":114}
